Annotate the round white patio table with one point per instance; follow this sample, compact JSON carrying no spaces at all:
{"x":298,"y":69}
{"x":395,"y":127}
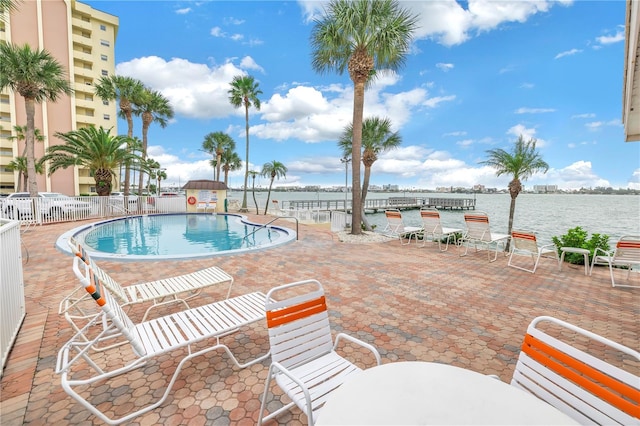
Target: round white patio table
{"x":427,"y":393}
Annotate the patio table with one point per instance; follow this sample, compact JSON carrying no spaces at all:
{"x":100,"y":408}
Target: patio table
{"x":423,"y":393}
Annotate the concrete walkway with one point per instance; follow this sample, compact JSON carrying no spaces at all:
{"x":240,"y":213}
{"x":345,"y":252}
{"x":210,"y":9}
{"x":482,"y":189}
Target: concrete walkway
{"x":412,"y":303}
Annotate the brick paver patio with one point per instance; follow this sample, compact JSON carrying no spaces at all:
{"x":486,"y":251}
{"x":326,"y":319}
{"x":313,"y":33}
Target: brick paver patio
{"x":412,"y":303}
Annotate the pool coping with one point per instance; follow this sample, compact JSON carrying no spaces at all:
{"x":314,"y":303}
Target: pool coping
{"x":62,"y":245}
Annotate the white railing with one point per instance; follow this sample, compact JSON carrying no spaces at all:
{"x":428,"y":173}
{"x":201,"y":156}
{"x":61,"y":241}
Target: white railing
{"x":12,"y":303}
{"x":69,"y":209}
{"x":339,"y":221}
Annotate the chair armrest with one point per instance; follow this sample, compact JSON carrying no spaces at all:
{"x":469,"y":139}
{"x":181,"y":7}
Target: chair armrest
{"x":549,"y":247}
{"x":607,"y":253}
{"x":358,"y":342}
{"x":275,"y":365}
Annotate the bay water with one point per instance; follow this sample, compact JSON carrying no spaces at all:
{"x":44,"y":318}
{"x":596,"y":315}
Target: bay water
{"x":547,"y":215}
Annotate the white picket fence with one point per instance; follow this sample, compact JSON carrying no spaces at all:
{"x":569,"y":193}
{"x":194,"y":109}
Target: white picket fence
{"x":69,"y":209}
{"x":12,"y":302}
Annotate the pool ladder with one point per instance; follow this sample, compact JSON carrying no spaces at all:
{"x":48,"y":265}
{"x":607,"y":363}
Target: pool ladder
{"x":269,"y":223}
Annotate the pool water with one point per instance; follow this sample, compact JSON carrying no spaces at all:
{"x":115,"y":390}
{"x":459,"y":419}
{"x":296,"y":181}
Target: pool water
{"x":178,"y":236}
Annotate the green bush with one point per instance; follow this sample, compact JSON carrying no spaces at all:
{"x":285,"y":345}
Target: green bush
{"x":577,"y":237}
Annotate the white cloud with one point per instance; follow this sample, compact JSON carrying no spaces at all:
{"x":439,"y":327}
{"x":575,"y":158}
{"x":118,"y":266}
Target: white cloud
{"x":444,"y":67}
{"x":527,"y":86}
{"x":526,"y":133}
{"x":610,"y":39}
{"x":634,"y":180}
{"x":585,"y":115}
{"x":449,"y":23}
{"x":597,"y":125}
{"x":183,"y":11}
{"x":524,"y":110}
{"x":248,"y":63}
{"x":194,"y":90}
{"x":568,"y":53}
{"x":217,"y":32}
{"x":575,"y":176}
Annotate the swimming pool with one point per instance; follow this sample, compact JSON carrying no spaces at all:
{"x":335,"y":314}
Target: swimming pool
{"x":175,"y":236}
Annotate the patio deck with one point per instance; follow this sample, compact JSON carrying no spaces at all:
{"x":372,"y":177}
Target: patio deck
{"x":412,"y":303}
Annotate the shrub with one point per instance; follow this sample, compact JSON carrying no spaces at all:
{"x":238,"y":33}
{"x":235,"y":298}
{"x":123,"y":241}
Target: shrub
{"x":577,"y":237}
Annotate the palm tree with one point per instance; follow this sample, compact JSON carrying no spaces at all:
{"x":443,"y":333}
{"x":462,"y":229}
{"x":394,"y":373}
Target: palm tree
{"x":37,"y":77}
{"x":377,"y":137}
{"x":253,"y":175}
{"x":95,"y":149}
{"x":21,"y":132}
{"x":128,"y":90}
{"x":154,"y":108}
{"x":230,"y":163}
{"x":20,"y":165}
{"x":521,"y":163}
{"x":216,"y":143}
{"x":160,"y":175}
{"x":361,"y":36}
{"x":150,"y":167}
{"x":7,"y":6}
{"x":274,"y":169}
{"x":244,"y":92}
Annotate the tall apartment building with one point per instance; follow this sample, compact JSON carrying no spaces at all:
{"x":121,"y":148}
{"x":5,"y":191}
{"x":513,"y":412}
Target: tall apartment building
{"x":82,"y":40}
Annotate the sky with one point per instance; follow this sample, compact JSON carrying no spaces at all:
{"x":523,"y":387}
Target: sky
{"x":478,"y":75}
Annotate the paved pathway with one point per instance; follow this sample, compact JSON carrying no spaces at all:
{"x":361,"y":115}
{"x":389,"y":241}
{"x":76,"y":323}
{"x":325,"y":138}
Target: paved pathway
{"x":412,"y":303}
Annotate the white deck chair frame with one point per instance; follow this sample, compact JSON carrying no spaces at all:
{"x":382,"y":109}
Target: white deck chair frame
{"x":626,"y":254}
{"x":304,"y":362}
{"x":479,"y":233}
{"x":153,"y":338}
{"x":586,"y":388}
{"x":396,"y":228}
{"x":178,"y":289}
{"x":525,"y":243}
{"x":432,"y":228}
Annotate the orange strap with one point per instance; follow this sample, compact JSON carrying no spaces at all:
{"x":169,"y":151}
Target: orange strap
{"x":584,"y":375}
{"x":296,"y":312}
{"x":523,"y":236}
{"x":471,"y":218}
{"x":94,"y":289}
{"x":628,"y":244}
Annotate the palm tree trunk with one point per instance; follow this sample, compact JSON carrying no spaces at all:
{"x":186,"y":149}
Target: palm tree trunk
{"x":146,"y":122}
{"x":512,"y":211}
{"x":126,"y":108}
{"x":30,"y":106}
{"x":365,"y":189}
{"x":356,"y":155}
{"x":246,"y":161}
{"x":253,"y":191}
{"x":266,"y":207}
{"x":218,"y":165}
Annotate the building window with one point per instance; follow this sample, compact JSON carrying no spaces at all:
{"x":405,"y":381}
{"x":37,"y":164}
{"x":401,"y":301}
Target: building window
{"x":104,"y":57}
{"x":103,"y":27}
{"x":106,"y":117}
{"x":105,"y":102}
{"x":105,"y":72}
{"x":105,"y":43}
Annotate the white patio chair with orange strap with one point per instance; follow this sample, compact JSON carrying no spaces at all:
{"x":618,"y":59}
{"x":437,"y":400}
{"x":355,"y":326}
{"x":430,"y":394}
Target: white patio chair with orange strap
{"x":626,"y":254}
{"x":581,"y":384}
{"x":479,"y":233}
{"x":177,"y":289}
{"x":396,"y":228}
{"x":305,"y":364}
{"x":525,"y":243}
{"x":432,"y":228}
{"x":148,"y":340}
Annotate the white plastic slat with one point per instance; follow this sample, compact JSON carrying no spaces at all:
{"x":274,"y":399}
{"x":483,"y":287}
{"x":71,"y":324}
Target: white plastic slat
{"x":611,"y":370}
{"x":566,"y":396}
{"x":295,"y":300}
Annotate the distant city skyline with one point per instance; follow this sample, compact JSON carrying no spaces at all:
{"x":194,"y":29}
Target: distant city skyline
{"x":479,"y":75}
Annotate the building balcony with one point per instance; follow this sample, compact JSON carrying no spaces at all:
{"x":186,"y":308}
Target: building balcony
{"x":81,"y":40}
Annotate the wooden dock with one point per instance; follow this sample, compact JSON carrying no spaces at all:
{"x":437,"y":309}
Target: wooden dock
{"x":376,"y":205}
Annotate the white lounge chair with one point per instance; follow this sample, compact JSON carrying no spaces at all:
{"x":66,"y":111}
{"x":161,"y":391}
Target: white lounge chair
{"x":626,"y":254}
{"x":579,"y":381}
{"x":178,"y":289}
{"x":433,"y":229}
{"x":479,"y":233}
{"x":304,"y":363}
{"x":148,"y":340}
{"x":396,"y":228}
{"x":524,"y":243}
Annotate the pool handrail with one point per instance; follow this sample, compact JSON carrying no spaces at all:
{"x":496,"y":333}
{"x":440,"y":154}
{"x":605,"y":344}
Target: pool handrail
{"x":269,"y":223}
